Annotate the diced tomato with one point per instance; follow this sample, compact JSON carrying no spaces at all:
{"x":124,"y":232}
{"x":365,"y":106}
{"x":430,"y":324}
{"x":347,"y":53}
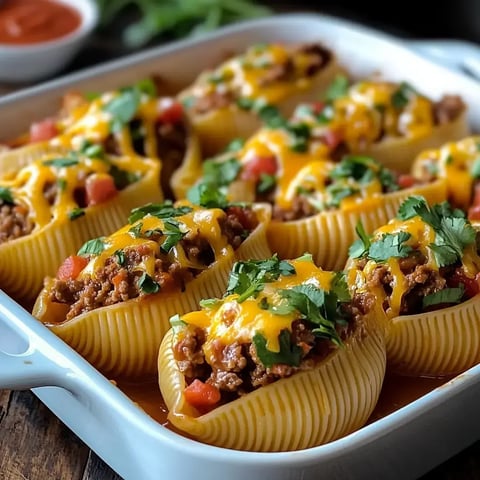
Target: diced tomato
{"x":71,"y":267}
{"x":317,"y":107}
{"x":170,"y":111}
{"x":257,"y":166}
{"x":474,"y":213}
{"x":476,"y":195}
{"x":332,"y":138}
{"x":246,"y":217}
{"x":202,"y":396}
{"x":471,"y":285}
{"x":99,"y":188}
{"x":406,"y":180}
{"x":119,"y":278}
{"x":42,"y":131}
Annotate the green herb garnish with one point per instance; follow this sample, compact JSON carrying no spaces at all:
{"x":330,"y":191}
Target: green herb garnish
{"x":120,"y":257}
{"x":402,"y":95}
{"x":93,"y":247}
{"x":289,"y":353}
{"x":173,"y":234}
{"x":147,"y":284}
{"x":76,"y":213}
{"x":6,"y":195}
{"x":337,"y":89}
{"x":61,"y":162}
{"x":447,"y":296}
{"x":159,"y":210}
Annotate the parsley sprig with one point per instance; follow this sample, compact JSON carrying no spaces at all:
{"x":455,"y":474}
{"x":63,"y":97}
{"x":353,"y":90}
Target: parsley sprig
{"x":159,"y":210}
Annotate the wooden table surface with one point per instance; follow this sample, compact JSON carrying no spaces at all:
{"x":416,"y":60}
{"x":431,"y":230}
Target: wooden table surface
{"x":35,"y":445}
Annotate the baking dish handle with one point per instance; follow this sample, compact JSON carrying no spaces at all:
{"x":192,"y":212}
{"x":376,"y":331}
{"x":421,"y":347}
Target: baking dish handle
{"x":455,"y":54}
{"x":27,"y":359}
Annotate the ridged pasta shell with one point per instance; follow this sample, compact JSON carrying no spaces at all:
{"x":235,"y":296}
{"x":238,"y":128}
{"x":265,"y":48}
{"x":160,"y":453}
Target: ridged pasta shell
{"x":12,"y":161}
{"x":26,"y":261}
{"x":328,"y":235}
{"x":442,"y":342}
{"x":309,"y":408}
{"x":238,"y":123}
{"x":122,"y":340}
{"x":399,"y":153}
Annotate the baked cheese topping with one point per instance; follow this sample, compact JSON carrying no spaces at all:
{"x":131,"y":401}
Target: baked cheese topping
{"x":66,"y":178}
{"x":156,"y":231}
{"x":268,"y":71}
{"x":437,"y":238}
{"x":234,"y":319}
{"x":458,"y":163}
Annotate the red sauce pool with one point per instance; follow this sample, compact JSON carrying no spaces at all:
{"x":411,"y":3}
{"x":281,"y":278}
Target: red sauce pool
{"x":35,"y":21}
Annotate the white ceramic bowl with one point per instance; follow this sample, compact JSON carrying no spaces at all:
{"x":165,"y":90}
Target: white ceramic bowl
{"x":28,"y":63}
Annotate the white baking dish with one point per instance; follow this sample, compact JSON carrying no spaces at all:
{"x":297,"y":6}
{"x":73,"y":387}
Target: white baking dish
{"x":404,"y":444}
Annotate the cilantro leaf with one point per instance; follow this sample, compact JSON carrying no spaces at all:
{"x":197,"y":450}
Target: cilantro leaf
{"x":339,"y":287}
{"x":209,"y":302}
{"x":267,"y":182}
{"x":289,"y":354}
{"x":402,"y":95}
{"x":136,"y":230}
{"x":93,"y":247}
{"x":177,"y":323}
{"x":171,"y":229}
{"x":360,"y":247}
{"x":61,"y":162}
{"x":122,"y":178}
{"x":445,"y":297}
{"x":92,"y":150}
{"x":120,"y":257}
{"x":76,"y":213}
{"x":6,"y":195}
{"x":220,"y":173}
{"x":270,"y":116}
{"x":147,"y":284}
{"x":337,"y":89}
{"x":475,"y":169}
{"x":207,"y":196}
{"x":390,"y":245}
{"x":123,"y":108}
{"x":159,"y":210}
{"x":410,"y":207}
{"x":235,"y":145}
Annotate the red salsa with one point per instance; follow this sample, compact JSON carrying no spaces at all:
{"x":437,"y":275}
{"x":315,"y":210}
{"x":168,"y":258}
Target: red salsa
{"x":35,"y":21}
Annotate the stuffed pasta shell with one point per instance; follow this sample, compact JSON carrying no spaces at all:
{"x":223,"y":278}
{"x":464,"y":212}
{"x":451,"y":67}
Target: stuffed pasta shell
{"x":423,"y":268}
{"x":132,"y":121}
{"x":243,"y":90}
{"x":113,"y":299}
{"x":316,"y":202}
{"x":389,"y":121}
{"x":282,"y":362}
{"x":459,"y":164}
{"x":53,"y":205}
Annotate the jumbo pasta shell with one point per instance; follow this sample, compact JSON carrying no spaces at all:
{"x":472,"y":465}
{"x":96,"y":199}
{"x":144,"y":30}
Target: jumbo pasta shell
{"x":442,"y":342}
{"x":399,"y":153}
{"x":328,"y":235}
{"x":309,"y":408}
{"x":122,"y":340}
{"x":238,"y":123}
{"x":26,"y":261}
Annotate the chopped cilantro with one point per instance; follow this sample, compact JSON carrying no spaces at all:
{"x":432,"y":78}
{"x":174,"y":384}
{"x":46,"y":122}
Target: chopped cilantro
{"x":408,"y":209}
{"x":136,"y":230}
{"x":245,"y":103}
{"x":122,"y":178}
{"x":390,"y":245}
{"x":339,"y":287}
{"x":177,"y":323}
{"x":159,"y":210}
{"x":270,"y":116}
{"x":235,"y":145}
{"x":120,"y":257}
{"x":123,"y":108}
{"x":92,"y":150}
{"x":360,"y":247}
{"x":207,"y":196}
{"x":446,"y":296}
{"x":173,"y":234}
{"x":221,"y":173}
{"x":339,"y":191}
{"x":337,"y":89}
{"x":475,"y":170}
{"x":61,"y":162}
{"x":306,"y":257}
{"x":61,"y":184}
{"x":288,"y":354}
{"x":76,"y":213}
{"x":147,"y":86}
{"x":147,"y":284}
{"x":267,"y":182}
{"x":402,"y":95}
{"x":6,"y":195}
{"x":93,"y":247}
{"x":209,"y":302}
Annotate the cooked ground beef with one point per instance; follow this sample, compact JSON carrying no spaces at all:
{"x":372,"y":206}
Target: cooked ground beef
{"x":115,"y":282}
{"x":237,"y":370}
{"x":448,"y":109}
{"x":212,"y":101}
{"x":320,"y":57}
{"x":14,"y":222}
{"x":301,"y":208}
{"x":276,"y":73}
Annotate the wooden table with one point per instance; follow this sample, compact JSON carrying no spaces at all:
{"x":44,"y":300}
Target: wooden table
{"x":35,"y":445}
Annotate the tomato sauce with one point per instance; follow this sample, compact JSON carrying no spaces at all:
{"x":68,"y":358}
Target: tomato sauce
{"x":36,"y":21}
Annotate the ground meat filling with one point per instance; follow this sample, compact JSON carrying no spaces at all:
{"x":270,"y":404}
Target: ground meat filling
{"x":448,"y":109}
{"x":14,"y":222}
{"x":236,"y":370}
{"x":115,"y":282}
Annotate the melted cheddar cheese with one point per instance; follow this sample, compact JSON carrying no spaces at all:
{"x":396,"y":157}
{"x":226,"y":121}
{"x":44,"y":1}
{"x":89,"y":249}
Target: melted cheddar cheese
{"x":229,"y":321}
{"x":68,"y":175}
{"x":250,"y":75}
{"x":202,"y":222}
{"x":458,"y":163}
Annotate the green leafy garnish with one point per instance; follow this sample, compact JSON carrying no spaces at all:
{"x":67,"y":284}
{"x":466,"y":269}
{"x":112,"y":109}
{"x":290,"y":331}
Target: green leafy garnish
{"x":122,"y":178}
{"x":402,"y":95}
{"x":207,"y":196}
{"x":136,"y":230}
{"x":248,"y":278}
{"x":270,"y":116}
{"x":235,"y":145}
{"x":447,"y":296}
{"x":173,"y":233}
{"x":390,"y":245}
{"x":92,"y":150}
{"x":339,"y":287}
{"x":6,"y":195}
{"x":220,"y":173}
{"x":159,"y":210}
{"x":360,"y":247}
{"x":475,"y":170}
{"x":93,"y":247}
{"x":408,"y":209}
{"x":61,"y":162}
{"x":177,"y":323}
{"x":267,"y":182}
{"x":288,"y":354}
{"x":209,"y":302}
{"x":61,"y":184}
{"x":147,"y":284}
{"x":300,"y":133}
{"x":338,"y":191}
{"x":120,"y":257}
{"x":337,"y":89}
{"x":123,"y":108}
{"x":76,"y":213}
